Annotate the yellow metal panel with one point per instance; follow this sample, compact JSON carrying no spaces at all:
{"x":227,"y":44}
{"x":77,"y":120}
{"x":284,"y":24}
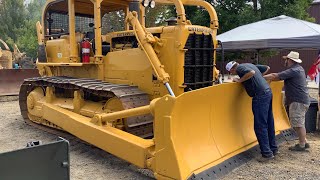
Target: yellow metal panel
{"x":281,"y":119}
{"x":85,"y":71}
{"x":72,"y":25}
{"x":129,"y":66}
{"x":97,"y":28}
{"x":58,"y":51}
{"x":124,"y":145}
{"x":5,"y":59}
{"x":202,"y":128}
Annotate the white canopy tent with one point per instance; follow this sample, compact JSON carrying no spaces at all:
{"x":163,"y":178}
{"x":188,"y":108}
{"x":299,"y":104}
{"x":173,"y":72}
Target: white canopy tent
{"x":280,"y":32}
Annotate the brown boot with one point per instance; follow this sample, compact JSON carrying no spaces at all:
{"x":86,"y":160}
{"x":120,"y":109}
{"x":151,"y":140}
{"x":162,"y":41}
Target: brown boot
{"x":263,"y":159}
{"x":307,"y":145}
{"x":297,"y":147}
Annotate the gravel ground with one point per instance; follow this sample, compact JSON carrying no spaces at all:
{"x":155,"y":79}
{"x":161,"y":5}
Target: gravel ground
{"x":286,"y":165}
{"x":88,"y":162}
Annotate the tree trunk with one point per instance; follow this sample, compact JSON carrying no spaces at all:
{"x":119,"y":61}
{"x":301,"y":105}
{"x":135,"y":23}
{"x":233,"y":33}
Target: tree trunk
{"x":255,"y":5}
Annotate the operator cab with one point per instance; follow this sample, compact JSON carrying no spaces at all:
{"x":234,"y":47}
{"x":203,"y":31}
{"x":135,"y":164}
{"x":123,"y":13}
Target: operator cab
{"x":56,"y":26}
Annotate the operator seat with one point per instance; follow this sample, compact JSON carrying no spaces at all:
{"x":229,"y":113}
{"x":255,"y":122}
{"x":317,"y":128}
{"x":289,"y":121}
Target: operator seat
{"x":90,"y":34}
{"x":91,"y":37}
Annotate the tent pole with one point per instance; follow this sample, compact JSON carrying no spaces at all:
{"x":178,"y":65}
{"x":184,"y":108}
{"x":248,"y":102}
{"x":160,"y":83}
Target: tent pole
{"x":257,"y":57}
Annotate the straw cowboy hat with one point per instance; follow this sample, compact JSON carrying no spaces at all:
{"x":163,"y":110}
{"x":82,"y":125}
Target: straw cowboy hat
{"x":294,"y":56}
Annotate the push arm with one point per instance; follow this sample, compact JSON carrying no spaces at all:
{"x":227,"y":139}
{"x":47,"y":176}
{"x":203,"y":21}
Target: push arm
{"x":146,"y":40}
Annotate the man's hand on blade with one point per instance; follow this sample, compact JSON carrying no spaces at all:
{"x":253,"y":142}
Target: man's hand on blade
{"x":236,"y":80}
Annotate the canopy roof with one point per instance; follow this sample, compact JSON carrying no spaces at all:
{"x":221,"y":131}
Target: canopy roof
{"x":316,"y":1}
{"x":278,"y":32}
{"x":86,"y":7}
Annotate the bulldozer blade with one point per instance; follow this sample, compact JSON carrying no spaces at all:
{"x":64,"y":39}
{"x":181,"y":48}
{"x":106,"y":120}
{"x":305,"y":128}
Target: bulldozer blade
{"x":11,"y":79}
{"x":202,"y":134}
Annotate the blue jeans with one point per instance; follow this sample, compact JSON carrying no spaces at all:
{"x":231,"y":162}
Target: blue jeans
{"x":264,"y":123}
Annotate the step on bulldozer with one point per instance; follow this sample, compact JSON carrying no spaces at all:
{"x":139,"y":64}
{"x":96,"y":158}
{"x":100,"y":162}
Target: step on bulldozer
{"x":148,"y":95}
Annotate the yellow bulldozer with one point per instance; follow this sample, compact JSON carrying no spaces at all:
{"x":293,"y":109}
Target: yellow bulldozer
{"x":11,"y":77}
{"x":150,"y":96}
{"x":5,"y":56}
{"x":8,"y":58}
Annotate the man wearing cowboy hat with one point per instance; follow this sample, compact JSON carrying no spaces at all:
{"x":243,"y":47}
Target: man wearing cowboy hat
{"x":297,"y":96}
{"x":256,"y":86}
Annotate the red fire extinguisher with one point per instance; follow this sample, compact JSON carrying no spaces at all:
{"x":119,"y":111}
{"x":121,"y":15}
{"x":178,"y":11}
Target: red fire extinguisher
{"x":85,"y":46}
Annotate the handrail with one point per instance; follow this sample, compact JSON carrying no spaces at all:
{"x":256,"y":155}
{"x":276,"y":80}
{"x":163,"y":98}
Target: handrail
{"x":181,"y":14}
{"x":214,"y":24}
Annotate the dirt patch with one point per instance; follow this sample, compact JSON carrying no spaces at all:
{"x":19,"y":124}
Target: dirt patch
{"x":8,"y":98}
{"x":87,"y":162}
{"x":286,"y":165}
{"x":314,"y":93}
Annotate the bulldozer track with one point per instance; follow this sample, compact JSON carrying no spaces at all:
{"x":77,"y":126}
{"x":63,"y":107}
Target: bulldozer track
{"x":130,"y":97}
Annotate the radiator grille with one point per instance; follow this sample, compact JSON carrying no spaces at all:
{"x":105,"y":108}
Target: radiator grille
{"x":198,"y":66}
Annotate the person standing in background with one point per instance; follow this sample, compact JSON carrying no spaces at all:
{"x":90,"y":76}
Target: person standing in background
{"x":297,"y":96}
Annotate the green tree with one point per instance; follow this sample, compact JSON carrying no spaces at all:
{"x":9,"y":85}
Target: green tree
{"x":18,"y":19}
{"x":234,"y":13}
{"x":27,"y":39}
{"x":158,"y":15}
{"x":12,"y":20}
{"x":113,"y":21}
{"x":197,"y":15}
{"x":294,"y":8}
